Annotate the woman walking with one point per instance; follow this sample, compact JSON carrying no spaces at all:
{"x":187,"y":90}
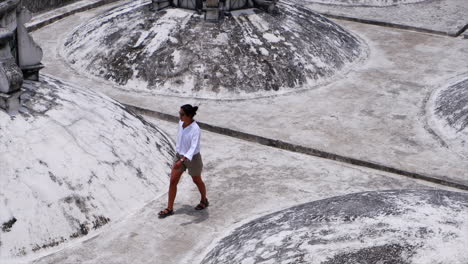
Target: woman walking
{"x":188,"y":157}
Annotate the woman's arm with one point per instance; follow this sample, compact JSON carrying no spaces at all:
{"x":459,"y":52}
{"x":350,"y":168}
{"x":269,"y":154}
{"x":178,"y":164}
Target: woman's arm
{"x":193,"y":145}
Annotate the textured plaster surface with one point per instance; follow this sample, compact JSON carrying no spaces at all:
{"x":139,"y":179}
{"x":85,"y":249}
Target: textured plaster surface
{"x":244,"y":181}
{"x":377,"y":112}
{"x":73,"y":161}
{"x":442,"y":16}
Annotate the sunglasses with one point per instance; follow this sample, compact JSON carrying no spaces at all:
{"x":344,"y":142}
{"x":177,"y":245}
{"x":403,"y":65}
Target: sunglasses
{"x":181,"y":114}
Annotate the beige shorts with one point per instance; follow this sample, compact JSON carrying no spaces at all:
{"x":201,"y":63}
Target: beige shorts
{"x":194,"y":166}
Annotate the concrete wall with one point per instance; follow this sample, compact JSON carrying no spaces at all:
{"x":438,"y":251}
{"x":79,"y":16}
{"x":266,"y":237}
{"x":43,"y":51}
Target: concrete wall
{"x":236,"y":4}
{"x":190,"y":4}
{"x":42,"y":5}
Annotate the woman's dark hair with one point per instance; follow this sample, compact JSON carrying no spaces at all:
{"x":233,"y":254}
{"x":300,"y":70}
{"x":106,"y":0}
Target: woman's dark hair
{"x":189,"y":110}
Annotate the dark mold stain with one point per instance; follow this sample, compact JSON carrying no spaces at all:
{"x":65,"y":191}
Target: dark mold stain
{"x":6,"y":227}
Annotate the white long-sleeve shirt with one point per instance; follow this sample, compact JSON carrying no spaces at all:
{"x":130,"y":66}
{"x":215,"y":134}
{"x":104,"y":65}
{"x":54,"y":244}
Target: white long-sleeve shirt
{"x":188,"y":140}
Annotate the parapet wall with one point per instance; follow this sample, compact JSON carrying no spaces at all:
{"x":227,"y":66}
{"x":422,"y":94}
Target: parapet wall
{"x":41,"y":5}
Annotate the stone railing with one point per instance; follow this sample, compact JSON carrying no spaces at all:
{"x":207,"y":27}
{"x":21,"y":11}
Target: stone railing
{"x":20,"y":56}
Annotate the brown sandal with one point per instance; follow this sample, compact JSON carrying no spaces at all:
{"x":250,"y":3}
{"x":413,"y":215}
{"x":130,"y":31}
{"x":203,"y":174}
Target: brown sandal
{"x":165,"y":213}
{"x":202,"y":205}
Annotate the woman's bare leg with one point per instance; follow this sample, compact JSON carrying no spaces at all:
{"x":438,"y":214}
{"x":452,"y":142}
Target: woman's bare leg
{"x":175,"y":177}
{"x":201,"y":186}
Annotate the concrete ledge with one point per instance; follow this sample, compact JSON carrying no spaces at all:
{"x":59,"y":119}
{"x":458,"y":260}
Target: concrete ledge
{"x":301,"y":149}
{"x":445,"y":17}
{"x":393,"y":25}
{"x":52,"y":16}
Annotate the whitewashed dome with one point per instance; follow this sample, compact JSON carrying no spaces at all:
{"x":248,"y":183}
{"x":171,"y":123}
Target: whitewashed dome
{"x":249,"y":53}
{"x":448,"y":114}
{"x":76,"y":161}
{"x":400,"y":226}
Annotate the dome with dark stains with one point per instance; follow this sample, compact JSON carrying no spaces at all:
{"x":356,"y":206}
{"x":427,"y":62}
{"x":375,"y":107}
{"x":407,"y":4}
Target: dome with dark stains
{"x":401,"y":226}
{"x":248,"y":53}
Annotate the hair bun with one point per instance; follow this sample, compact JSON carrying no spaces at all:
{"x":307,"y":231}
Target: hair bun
{"x":189,"y":110}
